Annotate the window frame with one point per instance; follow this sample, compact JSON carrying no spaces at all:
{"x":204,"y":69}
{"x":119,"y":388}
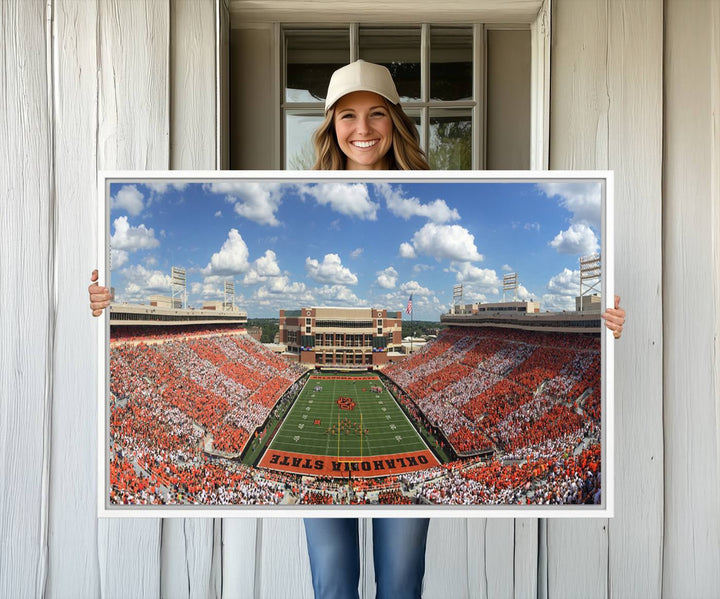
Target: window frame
{"x":425,"y":105}
{"x":539,"y":85}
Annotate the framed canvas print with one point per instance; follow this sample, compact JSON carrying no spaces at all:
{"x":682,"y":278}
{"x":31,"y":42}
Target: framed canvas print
{"x":336,"y":344}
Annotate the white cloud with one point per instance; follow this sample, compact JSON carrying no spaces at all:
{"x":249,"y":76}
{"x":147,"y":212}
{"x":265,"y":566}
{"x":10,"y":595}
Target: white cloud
{"x":407,"y":250}
{"x":466,"y":272}
{"x":255,"y":201}
{"x":579,"y":239}
{"x":330,"y":271}
{"x":132,"y":238}
{"x":356,"y":253}
{"x":582,"y":198}
{"x":415,"y":288}
{"x":350,"y":199}
{"x":557,"y":303}
{"x":436,"y":211}
{"x":337,"y":294}
{"x":507,"y":268}
{"x":531,"y":226}
{"x":160,"y":187}
{"x":212,"y":287}
{"x":232,"y":258}
{"x":451,"y":242}
{"x":422,"y":268}
{"x":128,"y":198}
{"x":475,"y":298}
{"x":566,"y":283}
{"x":218,"y":214}
{"x":524,"y":294}
{"x":262,"y":268}
{"x":118,"y":258}
{"x":387,"y":279}
{"x":281,"y":288}
{"x":142,"y":282}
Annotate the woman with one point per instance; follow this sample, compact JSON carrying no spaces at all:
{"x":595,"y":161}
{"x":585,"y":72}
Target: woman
{"x":365,"y":129}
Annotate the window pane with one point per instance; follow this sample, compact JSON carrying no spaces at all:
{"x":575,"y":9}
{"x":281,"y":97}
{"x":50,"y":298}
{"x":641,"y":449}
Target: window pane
{"x":399,"y":50}
{"x":450,"y":139}
{"x":299,"y":150}
{"x":311,"y":58}
{"x":451,"y":55}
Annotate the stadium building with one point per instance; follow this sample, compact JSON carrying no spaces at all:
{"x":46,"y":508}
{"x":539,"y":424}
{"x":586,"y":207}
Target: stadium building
{"x":341,"y":337}
{"x":122,"y":314}
{"x":526,"y":315}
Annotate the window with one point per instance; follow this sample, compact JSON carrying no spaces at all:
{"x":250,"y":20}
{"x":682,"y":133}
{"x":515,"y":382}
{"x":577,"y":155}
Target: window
{"x":438,"y":71}
{"x":479,"y":93}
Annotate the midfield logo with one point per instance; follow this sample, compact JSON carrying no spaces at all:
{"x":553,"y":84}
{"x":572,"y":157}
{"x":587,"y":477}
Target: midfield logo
{"x":346,"y":403}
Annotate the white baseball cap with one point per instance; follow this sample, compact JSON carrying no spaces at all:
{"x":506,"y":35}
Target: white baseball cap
{"x":361,"y":76}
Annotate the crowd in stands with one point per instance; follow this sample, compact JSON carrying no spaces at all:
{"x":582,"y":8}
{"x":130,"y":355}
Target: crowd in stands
{"x":474,"y":384}
{"x":183,"y":394}
{"x":159,"y":332}
{"x":164,"y":478}
{"x":394,"y":497}
{"x":530,"y":399}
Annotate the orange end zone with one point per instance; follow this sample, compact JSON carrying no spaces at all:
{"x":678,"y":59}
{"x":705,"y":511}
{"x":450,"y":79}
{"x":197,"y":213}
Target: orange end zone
{"x":379,"y":465}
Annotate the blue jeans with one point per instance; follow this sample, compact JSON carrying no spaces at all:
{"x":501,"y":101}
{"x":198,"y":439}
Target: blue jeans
{"x":398,"y":551}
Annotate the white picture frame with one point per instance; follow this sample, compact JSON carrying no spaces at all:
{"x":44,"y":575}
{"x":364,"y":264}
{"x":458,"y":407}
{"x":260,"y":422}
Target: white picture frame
{"x":604,"y":509}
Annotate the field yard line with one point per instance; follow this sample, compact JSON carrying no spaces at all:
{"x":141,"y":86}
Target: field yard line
{"x":395,"y":399}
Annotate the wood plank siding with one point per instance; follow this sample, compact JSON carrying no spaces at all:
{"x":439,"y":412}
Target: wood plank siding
{"x":114,"y":84}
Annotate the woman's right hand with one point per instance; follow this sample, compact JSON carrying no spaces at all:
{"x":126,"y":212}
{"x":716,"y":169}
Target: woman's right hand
{"x":99,"y":296}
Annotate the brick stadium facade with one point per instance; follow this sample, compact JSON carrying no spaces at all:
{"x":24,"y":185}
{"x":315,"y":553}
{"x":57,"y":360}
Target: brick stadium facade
{"x":342,"y":337}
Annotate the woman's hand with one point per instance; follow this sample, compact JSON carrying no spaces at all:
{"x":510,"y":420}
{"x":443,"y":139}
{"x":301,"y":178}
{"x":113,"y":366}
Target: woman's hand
{"x":615,"y":318}
{"x":99,"y":296}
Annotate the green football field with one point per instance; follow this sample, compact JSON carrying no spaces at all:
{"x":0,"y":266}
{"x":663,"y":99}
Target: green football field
{"x":317,"y":425}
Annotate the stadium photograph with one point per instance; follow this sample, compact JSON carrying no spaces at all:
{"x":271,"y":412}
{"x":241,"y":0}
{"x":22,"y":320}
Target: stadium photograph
{"x":391,"y":342}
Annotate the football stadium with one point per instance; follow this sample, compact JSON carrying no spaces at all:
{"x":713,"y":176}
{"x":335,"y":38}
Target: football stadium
{"x":502,"y":408}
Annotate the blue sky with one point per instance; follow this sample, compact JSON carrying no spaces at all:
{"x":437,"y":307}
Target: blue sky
{"x":334,"y":243}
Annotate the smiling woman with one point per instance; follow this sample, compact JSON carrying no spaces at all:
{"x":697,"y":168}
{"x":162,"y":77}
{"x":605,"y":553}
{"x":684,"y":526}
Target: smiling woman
{"x":365,"y":128}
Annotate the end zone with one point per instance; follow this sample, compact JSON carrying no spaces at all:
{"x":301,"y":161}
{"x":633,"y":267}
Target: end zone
{"x":366,"y":467}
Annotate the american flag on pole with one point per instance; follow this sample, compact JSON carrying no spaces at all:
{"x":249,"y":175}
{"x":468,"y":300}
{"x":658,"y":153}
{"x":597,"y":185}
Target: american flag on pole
{"x":408,"y":310}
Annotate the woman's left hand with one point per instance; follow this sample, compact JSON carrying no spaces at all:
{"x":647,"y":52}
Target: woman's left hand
{"x":615,"y":318}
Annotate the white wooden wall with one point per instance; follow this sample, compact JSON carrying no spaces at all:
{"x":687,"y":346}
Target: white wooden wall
{"x":132,"y":85}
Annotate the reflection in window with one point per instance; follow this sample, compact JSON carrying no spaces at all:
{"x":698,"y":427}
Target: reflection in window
{"x":450,"y":139}
{"x":310,"y":58}
{"x":451,"y":63}
{"x":399,"y":51}
{"x":299,"y":149}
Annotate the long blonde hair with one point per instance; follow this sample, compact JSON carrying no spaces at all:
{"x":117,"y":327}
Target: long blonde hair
{"x":405,"y":153}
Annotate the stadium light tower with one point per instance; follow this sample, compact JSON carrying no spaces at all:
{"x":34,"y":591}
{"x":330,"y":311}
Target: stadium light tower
{"x":178,"y":285}
{"x":510,"y":283}
{"x":229,"y":301}
{"x":457,"y":297}
{"x":589,"y":275}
